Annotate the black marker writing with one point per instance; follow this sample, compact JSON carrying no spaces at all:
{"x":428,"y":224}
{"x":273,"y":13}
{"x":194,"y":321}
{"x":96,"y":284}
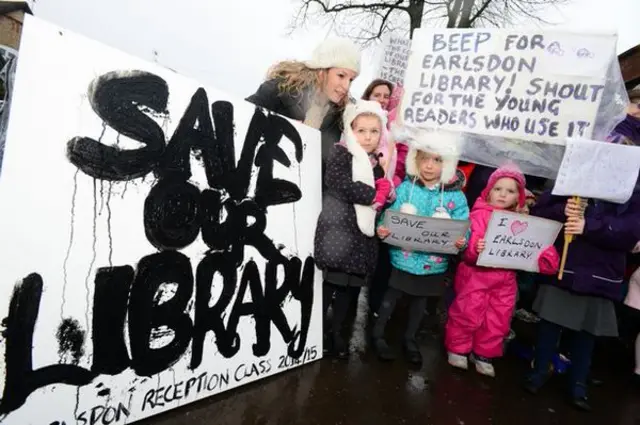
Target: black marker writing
{"x":175,"y":212}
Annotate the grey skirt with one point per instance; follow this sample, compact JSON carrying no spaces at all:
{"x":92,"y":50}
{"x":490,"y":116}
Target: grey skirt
{"x":594,"y":315}
{"x":432,"y":285}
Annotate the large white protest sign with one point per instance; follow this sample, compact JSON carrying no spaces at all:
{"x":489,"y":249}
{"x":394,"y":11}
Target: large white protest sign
{"x":541,"y":86}
{"x":394,"y":58}
{"x":426,"y":234}
{"x":515,"y":241}
{"x":159,"y":235}
{"x":598,"y":170}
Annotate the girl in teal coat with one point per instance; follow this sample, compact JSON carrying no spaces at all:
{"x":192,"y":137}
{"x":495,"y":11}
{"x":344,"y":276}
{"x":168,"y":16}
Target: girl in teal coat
{"x":432,"y":189}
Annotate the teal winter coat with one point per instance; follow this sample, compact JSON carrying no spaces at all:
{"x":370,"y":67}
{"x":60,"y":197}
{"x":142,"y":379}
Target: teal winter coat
{"x":426,"y":200}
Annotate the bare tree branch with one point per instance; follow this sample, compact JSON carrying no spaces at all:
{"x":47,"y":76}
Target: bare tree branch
{"x":480,"y":11}
{"x":375,"y":18}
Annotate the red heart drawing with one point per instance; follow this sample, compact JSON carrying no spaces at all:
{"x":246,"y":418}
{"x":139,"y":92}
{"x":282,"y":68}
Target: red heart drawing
{"x":518,"y":227}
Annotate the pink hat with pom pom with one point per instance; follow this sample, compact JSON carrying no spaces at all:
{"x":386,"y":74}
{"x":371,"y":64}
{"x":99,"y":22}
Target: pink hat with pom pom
{"x":512,"y":171}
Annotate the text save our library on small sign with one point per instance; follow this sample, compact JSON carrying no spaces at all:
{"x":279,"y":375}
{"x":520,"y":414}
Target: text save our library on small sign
{"x":426,"y":234}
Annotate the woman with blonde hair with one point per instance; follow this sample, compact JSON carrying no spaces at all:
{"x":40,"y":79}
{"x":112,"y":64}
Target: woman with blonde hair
{"x":314,"y":91}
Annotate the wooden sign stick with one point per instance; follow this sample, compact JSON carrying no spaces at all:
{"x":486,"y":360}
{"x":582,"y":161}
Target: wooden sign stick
{"x":565,"y":249}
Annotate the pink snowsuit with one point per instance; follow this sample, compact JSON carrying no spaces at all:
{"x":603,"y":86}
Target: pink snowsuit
{"x":480,"y":316}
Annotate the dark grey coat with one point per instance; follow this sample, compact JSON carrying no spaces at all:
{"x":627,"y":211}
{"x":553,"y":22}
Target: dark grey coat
{"x":292,"y":106}
{"x":339,"y":244}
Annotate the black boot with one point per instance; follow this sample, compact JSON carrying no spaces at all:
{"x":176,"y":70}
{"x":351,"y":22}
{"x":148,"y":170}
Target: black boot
{"x":383,"y":350}
{"x":412,"y":351}
{"x":532,"y":386}
{"x":340,"y":348}
{"x":581,"y":403}
{"x":579,"y":397}
{"x":327,"y":345}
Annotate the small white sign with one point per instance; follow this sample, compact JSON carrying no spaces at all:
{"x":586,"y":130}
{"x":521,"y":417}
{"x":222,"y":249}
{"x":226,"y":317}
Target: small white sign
{"x":515,"y":241}
{"x":395,"y":58}
{"x":425,"y":234}
{"x":598,"y":170}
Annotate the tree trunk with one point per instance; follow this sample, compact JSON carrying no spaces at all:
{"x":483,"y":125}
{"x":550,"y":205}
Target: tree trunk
{"x":416,"y":9}
{"x":465,"y":14}
{"x":453,"y":13}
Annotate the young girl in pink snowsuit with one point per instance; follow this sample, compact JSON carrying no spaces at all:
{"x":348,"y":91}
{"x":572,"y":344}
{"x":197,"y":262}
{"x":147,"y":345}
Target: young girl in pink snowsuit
{"x":480,"y":315}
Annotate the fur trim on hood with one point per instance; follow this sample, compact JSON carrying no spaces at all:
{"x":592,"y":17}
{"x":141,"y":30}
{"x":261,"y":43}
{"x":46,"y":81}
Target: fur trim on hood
{"x":362,"y":170}
{"x":443,"y":143}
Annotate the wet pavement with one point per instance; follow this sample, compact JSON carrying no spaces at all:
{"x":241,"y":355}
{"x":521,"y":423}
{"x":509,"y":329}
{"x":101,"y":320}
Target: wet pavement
{"x":363,"y":390}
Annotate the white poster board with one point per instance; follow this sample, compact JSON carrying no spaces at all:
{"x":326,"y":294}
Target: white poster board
{"x":532,"y":85}
{"x":515,"y":241}
{"x":598,"y":170}
{"x":425,"y":234}
{"x":394,"y":58}
{"x":160,"y":252}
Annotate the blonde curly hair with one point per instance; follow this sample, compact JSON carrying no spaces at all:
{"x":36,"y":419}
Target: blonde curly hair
{"x":295,"y":76}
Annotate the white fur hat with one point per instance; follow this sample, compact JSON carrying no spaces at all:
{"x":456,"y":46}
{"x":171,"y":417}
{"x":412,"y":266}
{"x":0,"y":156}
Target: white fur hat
{"x":443,"y":143}
{"x":352,"y":110}
{"x":335,"y":53}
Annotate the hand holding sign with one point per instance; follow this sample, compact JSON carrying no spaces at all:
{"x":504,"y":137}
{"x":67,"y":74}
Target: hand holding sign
{"x":574,"y":226}
{"x":460,"y":243}
{"x":574,"y":210}
{"x":481,"y":245}
{"x":383,"y":232}
{"x":575,"y":207}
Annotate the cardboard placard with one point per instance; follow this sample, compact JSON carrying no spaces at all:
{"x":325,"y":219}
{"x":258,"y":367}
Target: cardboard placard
{"x":394,"y":59}
{"x":535,"y":85}
{"x":425,"y":234}
{"x":598,"y":170}
{"x":515,"y":241}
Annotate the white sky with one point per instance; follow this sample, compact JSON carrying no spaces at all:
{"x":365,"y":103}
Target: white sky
{"x":230,"y":44}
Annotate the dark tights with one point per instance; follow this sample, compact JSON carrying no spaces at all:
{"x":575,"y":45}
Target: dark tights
{"x":416,"y":312}
{"x":340,"y":297}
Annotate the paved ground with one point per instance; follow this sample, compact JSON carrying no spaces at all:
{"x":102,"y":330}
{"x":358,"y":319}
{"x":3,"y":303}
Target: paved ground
{"x":365,"y":391}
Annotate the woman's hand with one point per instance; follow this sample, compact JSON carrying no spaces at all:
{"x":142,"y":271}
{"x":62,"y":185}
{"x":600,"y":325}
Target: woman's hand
{"x":460,"y":243}
{"x":481,"y":245}
{"x":574,"y":226}
{"x":383,"y":232}
{"x":574,"y":209}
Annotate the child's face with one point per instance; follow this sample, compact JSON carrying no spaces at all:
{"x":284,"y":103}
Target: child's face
{"x":367,"y":129}
{"x":504,"y":193}
{"x":429,"y":166}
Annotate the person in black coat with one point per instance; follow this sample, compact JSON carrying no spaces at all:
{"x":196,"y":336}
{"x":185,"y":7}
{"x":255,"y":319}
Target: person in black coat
{"x":314,"y":92}
{"x":345,"y":246}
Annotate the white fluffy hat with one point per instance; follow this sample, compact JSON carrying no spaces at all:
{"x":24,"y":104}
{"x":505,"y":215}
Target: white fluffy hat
{"x":336,"y":53}
{"x":443,"y":143}
{"x":352,"y":110}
